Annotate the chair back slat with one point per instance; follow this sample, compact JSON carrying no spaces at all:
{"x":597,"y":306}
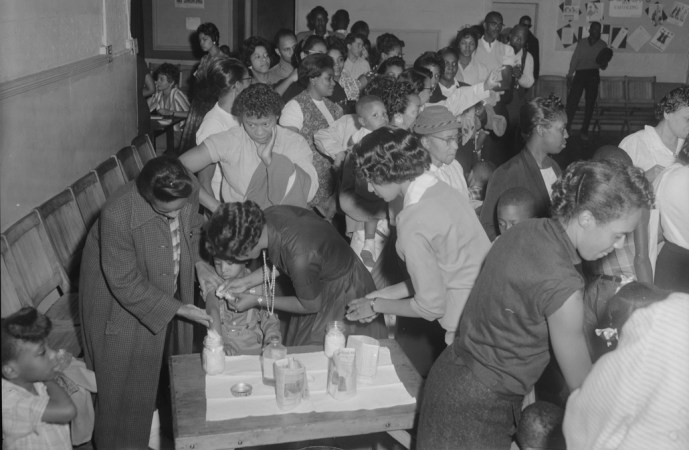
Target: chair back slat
{"x":641,"y":90}
{"x":551,"y":84}
{"x":110,"y":176}
{"x":38,"y":266}
{"x":130,"y":162}
{"x":13,"y":295}
{"x":612,"y":91}
{"x":144,"y":148}
{"x":89,"y":196}
{"x":66,"y":229}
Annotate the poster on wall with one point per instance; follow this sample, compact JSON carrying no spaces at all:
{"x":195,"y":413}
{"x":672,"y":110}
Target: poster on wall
{"x":678,"y":14}
{"x":656,"y":13}
{"x":662,"y":39}
{"x":189,"y":4}
{"x":566,"y":35}
{"x":638,"y":38}
{"x":615,"y":37}
{"x":570,"y":9}
{"x":594,"y":11}
{"x":626,"y":8}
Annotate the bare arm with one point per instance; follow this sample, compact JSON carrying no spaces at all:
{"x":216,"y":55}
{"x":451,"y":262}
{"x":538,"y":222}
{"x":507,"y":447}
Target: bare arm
{"x":60,"y":408}
{"x":566,"y":328}
{"x":196,"y":159}
{"x":213,"y":310}
{"x":642,"y":262}
{"x":290,"y":304}
{"x":149,"y":86}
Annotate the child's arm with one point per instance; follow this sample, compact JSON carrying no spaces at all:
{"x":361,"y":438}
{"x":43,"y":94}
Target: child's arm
{"x":642,"y":261}
{"x":270,"y":326}
{"x":60,"y":408}
{"x":213,"y":310}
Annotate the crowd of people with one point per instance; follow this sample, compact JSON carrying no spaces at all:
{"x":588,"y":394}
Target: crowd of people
{"x":455,"y":213}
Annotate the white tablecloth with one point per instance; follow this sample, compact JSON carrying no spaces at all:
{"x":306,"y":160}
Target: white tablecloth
{"x":386,"y":390}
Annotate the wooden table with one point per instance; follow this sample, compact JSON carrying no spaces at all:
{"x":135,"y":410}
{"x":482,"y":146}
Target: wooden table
{"x":158,"y":128}
{"x":193,"y":432}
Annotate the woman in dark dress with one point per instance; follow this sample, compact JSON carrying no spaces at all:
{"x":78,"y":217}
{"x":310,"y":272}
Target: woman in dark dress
{"x":325,"y":272}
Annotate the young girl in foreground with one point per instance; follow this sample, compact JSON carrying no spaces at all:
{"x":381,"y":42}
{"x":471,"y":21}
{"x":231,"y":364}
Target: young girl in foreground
{"x":528,"y":293}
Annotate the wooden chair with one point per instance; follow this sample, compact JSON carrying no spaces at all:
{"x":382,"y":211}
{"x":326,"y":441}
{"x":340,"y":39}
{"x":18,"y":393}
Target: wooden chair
{"x":641,"y":101}
{"x":11,"y":291}
{"x":110,"y":176}
{"x":32,"y":261}
{"x":551,"y":84}
{"x":130,"y":162}
{"x":611,"y":106}
{"x":67,"y":231}
{"x":89,"y":196}
{"x":144,"y":148}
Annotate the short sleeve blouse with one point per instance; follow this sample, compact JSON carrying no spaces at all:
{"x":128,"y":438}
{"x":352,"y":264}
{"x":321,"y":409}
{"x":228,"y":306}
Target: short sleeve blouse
{"x":528,"y":274}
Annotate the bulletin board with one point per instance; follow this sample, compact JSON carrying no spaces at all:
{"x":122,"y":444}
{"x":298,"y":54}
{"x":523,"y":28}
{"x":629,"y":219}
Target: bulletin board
{"x":628,"y":26}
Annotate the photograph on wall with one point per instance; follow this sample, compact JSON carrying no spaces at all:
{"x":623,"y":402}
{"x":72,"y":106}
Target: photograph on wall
{"x":662,"y":39}
{"x":678,"y":14}
{"x":638,"y":38}
{"x":656,"y":13}
{"x":626,"y":8}
{"x":570,"y":9}
{"x":594,"y":11}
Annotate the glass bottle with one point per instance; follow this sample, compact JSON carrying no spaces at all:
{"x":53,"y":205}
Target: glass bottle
{"x":271,"y":353}
{"x":334,"y":337}
{"x":213,"y":356}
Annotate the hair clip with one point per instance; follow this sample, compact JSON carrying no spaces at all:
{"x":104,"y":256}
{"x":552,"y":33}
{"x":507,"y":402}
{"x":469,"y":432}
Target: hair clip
{"x":608,"y":334}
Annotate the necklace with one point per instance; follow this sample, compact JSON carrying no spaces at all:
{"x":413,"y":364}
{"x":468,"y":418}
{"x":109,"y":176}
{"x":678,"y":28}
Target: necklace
{"x":269,"y":285}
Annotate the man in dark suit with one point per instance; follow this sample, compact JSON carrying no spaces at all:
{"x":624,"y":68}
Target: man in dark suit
{"x":532,"y":46}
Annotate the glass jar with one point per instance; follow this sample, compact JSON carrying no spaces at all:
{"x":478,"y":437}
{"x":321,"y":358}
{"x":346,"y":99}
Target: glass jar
{"x":334,"y":337}
{"x":271,"y":353}
{"x":213,"y":356}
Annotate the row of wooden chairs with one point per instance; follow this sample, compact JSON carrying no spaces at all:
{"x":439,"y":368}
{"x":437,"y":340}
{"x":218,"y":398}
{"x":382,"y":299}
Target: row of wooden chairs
{"x":622,"y":101}
{"x":41,"y":252}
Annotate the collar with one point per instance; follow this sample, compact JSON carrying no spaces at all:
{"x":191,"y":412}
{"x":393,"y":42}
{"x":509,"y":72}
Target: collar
{"x":418,"y":187}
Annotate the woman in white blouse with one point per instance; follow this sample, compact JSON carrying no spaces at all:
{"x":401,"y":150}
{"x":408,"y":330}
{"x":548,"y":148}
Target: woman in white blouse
{"x":311,"y":111}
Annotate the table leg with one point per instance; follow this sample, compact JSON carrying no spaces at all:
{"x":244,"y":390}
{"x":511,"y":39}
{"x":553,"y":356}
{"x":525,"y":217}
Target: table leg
{"x":403,"y":437}
{"x":170,"y":137}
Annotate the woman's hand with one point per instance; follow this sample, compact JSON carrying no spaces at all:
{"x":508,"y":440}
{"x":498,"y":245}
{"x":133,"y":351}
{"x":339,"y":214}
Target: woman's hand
{"x":244,"y":302}
{"x":265,"y":152}
{"x":195,"y":314}
{"x":492,"y":83}
{"x":360,"y":309}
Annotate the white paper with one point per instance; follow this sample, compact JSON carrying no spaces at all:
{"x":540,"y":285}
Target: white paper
{"x":638,"y":38}
{"x":626,"y":8}
{"x":678,"y":14}
{"x":618,"y":40}
{"x":570,"y":9}
{"x":594,"y":11}
{"x":386,"y":389}
{"x":662,"y":39}
{"x":192,"y":23}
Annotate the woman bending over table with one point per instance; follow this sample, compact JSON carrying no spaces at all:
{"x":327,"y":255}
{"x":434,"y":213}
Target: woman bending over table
{"x":527,"y":298}
{"x":443,"y":248}
{"x":324,"y":270}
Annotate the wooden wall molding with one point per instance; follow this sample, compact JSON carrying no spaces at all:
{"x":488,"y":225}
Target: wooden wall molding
{"x":38,"y":80}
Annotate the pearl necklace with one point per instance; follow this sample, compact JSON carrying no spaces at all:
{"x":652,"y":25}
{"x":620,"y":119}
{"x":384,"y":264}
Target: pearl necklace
{"x":269,"y":285}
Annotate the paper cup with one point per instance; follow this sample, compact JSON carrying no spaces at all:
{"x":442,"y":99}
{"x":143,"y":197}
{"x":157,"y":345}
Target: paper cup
{"x":290,"y":382}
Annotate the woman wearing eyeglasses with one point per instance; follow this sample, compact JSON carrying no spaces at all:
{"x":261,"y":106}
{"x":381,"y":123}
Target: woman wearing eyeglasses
{"x":544,"y":126}
{"x":443,"y":247}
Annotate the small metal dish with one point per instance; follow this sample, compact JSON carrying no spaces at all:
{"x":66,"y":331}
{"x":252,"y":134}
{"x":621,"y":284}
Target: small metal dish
{"x":241,"y":390}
